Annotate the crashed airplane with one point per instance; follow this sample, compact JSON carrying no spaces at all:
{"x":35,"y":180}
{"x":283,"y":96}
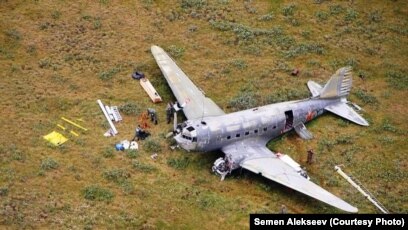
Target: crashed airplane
{"x":243,"y":135}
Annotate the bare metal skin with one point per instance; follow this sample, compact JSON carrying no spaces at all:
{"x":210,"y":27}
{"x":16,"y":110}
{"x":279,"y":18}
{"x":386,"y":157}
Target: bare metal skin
{"x":243,"y":135}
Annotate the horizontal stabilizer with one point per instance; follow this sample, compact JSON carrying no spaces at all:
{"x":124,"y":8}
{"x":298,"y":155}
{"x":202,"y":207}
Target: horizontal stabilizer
{"x":314,"y":88}
{"x":343,"y":110}
{"x":302,"y":131}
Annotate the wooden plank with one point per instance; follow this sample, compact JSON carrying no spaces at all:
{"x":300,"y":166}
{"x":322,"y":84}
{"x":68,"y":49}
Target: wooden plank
{"x":150,"y":90}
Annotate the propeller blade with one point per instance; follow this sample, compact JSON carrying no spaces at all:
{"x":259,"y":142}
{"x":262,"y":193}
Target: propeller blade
{"x":170,"y":134}
{"x":175,"y":121}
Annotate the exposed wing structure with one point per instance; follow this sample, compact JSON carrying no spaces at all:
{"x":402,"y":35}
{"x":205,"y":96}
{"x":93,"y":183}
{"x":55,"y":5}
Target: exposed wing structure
{"x":197,"y":104}
{"x":261,"y":160}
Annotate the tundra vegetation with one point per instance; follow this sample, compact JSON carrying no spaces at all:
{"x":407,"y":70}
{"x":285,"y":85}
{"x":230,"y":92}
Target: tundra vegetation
{"x":58,"y":57}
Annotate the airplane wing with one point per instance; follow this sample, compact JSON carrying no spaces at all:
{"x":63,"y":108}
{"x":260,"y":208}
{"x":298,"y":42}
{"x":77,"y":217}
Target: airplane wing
{"x":261,"y":160}
{"x":197,"y":104}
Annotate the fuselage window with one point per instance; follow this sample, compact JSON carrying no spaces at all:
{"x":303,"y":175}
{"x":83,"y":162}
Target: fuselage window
{"x":238,"y":135}
{"x":246,"y":133}
{"x":274,"y":127}
{"x":265,"y":129}
{"x":194,"y":139}
{"x":229,"y":137}
{"x":255,"y":131}
{"x":186,"y":137}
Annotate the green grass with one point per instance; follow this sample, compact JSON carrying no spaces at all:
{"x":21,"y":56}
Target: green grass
{"x":57,"y":61}
{"x":97,"y":193}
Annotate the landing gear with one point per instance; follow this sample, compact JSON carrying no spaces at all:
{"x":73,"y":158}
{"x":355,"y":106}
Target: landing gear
{"x":221,"y":168}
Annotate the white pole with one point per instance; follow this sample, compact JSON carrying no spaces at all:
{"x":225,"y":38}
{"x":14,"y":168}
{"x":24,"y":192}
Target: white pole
{"x":107,"y":117}
{"x":338,"y":169}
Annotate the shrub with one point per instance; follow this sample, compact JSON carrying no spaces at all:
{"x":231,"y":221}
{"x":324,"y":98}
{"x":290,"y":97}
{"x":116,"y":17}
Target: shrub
{"x":365,"y":97}
{"x":195,"y":4}
{"x":48,"y":164}
{"x":130,"y":108}
{"x":322,"y":16}
{"x":397,"y":79}
{"x":142,"y":167}
{"x":344,"y":139}
{"x":178,"y":163}
{"x":4,"y":191}
{"x":335,"y":9}
{"x":288,"y":10}
{"x":387,"y":126}
{"x":351,"y":15}
{"x":97,"y":24}
{"x":266,"y":17}
{"x":152,"y":145}
{"x":56,"y":14}
{"x":375,"y":16}
{"x":239,"y":63}
{"x":116,"y":175}
{"x":108,"y":153}
{"x":132,"y":154}
{"x":244,"y":100}
{"x":107,"y":75}
{"x":13,"y":34}
{"x":95,"y":192}
{"x":175,"y":51}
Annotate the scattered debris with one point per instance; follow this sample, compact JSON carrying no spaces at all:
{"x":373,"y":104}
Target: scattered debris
{"x":154,"y":156}
{"x":119,"y":147}
{"x":55,"y":138}
{"x":295,"y":72}
{"x":125,"y":144}
{"x":133,"y":145}
{"x":310,"y":158}
{"x":113,"y":113}
{"x":74,"y":133}
{"x":138,"y":75}
{"x":112,"y":131}
{"x":109,"y":133}
{"x":283,"y":209}
{"x":74,"y":124}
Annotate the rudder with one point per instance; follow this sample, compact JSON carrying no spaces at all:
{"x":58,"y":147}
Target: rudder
{"x":339,"y":84}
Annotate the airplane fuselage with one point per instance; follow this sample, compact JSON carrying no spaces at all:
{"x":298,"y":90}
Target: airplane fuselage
{"x":257,"y":124}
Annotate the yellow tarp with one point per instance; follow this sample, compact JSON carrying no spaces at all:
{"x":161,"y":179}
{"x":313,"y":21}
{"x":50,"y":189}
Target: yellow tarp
{"x":55,"y":138}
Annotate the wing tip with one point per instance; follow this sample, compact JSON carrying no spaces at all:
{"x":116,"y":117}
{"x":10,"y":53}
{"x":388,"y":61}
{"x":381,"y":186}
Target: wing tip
{"x":351,"y":209}
{"x":154,"y":48}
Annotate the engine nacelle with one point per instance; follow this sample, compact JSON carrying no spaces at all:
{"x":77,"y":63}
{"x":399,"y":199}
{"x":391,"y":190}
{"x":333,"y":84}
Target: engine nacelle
{"x":221,"y":168}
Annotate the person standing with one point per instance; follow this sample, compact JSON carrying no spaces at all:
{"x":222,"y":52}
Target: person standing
{"x":169,"y":112}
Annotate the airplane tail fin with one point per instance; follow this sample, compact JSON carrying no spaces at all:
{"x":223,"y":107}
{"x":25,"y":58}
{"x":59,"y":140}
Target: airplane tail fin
{"x":338,"y":86}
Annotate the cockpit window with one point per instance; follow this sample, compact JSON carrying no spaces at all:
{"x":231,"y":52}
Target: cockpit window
{"x":186,"y":137}
{"x":190,"y":128}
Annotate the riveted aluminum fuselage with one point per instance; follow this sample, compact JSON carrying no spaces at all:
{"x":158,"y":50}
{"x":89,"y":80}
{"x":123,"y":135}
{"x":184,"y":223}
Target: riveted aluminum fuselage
{"x":259,"y":124}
